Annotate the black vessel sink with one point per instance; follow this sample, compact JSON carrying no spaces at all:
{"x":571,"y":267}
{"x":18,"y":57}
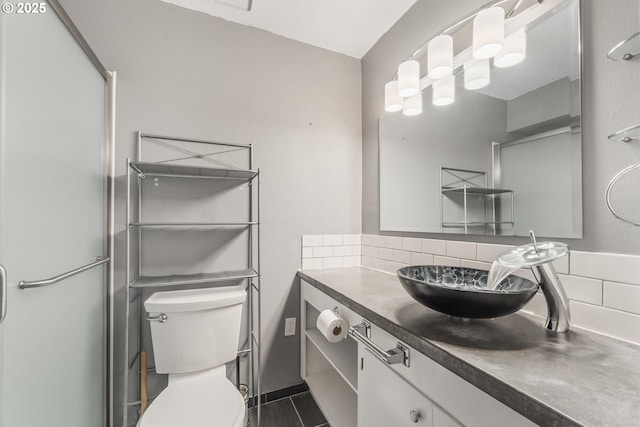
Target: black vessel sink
{"x":463,"y":292}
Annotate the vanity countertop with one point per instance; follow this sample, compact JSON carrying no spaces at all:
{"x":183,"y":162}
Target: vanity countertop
{"x":575,"y":379}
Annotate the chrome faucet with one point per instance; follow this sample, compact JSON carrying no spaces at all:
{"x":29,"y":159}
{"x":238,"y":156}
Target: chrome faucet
{"x":539,"y":258}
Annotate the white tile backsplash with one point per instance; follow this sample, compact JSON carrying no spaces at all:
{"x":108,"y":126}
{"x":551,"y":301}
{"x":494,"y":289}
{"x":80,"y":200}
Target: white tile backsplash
{"x":562,"y":265}
{"x":322,"y":251}
{"x":385,"y":254}
{"x":411,"y":244}
{"x":582,"y":289}
{"x":370,"y":251}
{"x":621,"y":296}
{"x":352,"y":239}
{"x":604,"y":289}
{"x":333,"y":240}
{"x":333,"y":262}
{"x":342,"y":250}
{"x":393,"y":242}
{"x":465,"y":250}
{"x":307,"y":252}
{"x":392,"y":267}
{"x":613,"y":267}
{"x":606,"y":321}
{"x":351,"y":261}
{"x":418,"y":258}
{"x":434,"y":247}
{"x":402,"y":256}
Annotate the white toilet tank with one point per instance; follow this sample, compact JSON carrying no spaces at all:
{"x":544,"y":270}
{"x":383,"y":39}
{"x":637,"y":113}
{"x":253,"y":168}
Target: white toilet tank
{"x":201,"y":331}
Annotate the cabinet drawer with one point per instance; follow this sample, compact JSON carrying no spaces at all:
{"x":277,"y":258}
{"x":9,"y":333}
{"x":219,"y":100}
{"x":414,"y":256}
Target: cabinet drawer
{"x":386,"y":399}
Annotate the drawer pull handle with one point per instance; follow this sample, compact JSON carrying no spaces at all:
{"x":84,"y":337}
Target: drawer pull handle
{"x":415,"y":415}
{"x":399,"y":354}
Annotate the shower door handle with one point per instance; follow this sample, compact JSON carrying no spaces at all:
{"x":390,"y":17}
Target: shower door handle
{"x":3,"y":293}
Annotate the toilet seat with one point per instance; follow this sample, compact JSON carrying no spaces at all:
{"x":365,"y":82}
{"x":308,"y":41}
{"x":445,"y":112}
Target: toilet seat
{"x":196,"y":400}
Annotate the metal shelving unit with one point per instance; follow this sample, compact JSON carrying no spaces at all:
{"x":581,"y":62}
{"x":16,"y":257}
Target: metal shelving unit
{"x":459,"y":186}
{"x":179,"y":165}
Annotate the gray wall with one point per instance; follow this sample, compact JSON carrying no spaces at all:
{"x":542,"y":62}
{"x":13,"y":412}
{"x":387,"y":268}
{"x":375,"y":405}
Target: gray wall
{"x":610,"y":102}
{"x":188,"y":74}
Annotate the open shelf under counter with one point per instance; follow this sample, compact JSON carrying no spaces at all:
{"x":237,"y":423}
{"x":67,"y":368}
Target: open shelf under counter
{"x":343,"y":356}
{"x":337,"y":400}
{"x":191,"y":279}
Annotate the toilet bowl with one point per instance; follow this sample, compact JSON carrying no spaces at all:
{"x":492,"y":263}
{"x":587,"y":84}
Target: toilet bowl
{"x":198,"y":337}
{"x":201,"y":399}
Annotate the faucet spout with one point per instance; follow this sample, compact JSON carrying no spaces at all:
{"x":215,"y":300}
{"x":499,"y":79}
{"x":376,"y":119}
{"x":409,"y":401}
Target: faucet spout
{"x":558,"y":309}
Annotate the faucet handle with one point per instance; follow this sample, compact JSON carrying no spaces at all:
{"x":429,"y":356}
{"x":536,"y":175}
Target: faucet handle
{"x":532,"y":236}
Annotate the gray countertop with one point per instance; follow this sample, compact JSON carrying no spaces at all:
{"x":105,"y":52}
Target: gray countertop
{"x":574,"y":379}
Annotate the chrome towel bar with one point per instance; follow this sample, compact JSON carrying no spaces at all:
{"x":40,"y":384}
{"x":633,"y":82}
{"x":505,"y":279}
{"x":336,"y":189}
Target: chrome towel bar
{"x":46,"y":282}
{"x":399,"y":354}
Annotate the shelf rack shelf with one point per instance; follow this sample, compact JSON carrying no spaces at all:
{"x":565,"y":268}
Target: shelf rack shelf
{"x":183,"y":155}
{"x":459,"y":186}
{"x":185,"y":171}
{"x":192,"y":279}
{"x":190,"y":224}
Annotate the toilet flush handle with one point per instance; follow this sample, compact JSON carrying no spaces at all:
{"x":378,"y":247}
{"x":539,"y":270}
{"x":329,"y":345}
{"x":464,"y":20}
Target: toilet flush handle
{"x":159,"y":318}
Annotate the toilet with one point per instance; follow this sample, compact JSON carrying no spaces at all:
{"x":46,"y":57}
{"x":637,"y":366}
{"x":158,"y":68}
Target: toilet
{"x":199,"y":336}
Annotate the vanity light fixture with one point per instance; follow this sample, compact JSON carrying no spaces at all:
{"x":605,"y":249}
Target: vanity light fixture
{"x":488,"y":41}
{"x":413,"y":105}
{"x":409,"y":78}
{"x":440,"y":57}
{"x":514,"y":51}
{"x":477,"y":74}
{"x":444,"y":91}
{"x":488,"y":32}
{"x":392,"y":99}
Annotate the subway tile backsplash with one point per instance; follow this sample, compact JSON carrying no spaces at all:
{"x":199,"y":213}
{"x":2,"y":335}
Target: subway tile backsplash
{"x":604,"y":288}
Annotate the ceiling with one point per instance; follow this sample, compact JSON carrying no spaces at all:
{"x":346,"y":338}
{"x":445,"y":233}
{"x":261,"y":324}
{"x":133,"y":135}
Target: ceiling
{"x":350,"y":27}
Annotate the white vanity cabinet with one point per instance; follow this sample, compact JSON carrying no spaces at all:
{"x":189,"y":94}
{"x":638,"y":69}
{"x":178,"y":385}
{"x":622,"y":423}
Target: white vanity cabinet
{"x":354,"y":388}
{"x":386,"y":399}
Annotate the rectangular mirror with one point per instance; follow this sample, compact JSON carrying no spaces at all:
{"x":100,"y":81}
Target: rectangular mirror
{"x":502,"y":159}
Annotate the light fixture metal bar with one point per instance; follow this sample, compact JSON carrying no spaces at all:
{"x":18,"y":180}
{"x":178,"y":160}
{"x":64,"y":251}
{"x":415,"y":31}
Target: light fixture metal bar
{"x":523,"y":19}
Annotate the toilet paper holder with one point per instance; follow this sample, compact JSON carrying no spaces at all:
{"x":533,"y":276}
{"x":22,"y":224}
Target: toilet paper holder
{"x":399,"y":354}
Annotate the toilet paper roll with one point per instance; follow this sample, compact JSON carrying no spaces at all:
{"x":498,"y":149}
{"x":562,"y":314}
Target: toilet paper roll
{"x":333,"y":327}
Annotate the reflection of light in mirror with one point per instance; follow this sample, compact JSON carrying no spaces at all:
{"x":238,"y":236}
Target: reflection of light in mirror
{"x":444,"y":91}
{"x":514,"y":51}
{"x":440,"y":57}
{"x":412,"y":106}
{"x":476,"y":74}
{"x":409,"y":78}
{"x":488,"y":33}
{"x":392,"y":100}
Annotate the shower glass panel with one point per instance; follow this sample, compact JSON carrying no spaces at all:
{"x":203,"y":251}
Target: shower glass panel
{"x":53,"y":219}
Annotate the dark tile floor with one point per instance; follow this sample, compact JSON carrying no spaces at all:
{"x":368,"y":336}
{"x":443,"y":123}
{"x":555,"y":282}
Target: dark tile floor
{"x":299,"y":410}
